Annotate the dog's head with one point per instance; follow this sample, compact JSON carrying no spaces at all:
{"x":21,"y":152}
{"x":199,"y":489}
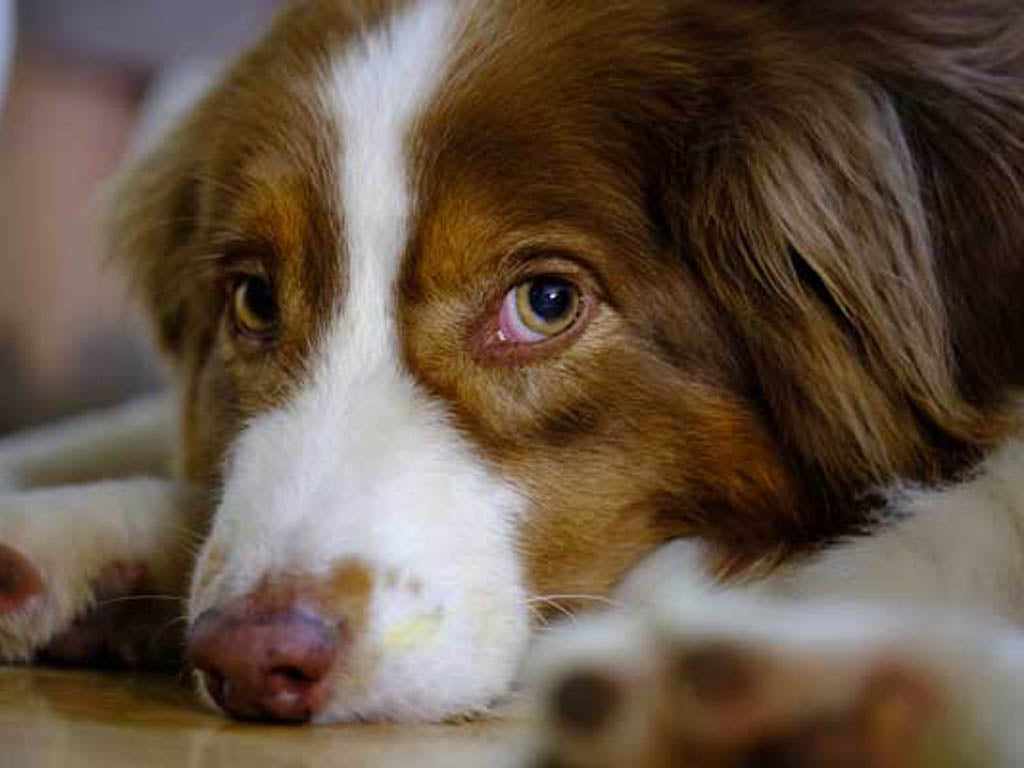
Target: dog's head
{"x":475,"y":304}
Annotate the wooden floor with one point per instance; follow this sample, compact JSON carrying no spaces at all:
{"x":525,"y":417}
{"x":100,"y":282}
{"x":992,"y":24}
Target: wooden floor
{"x":71,"y":718}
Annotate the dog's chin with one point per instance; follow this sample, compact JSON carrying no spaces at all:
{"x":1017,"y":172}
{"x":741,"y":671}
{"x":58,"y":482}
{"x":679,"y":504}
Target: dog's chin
{"x":471,"y":695}
{"x":465,"y":670}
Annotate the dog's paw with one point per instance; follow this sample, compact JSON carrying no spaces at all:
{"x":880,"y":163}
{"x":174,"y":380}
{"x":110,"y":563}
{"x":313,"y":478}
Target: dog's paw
{"x":119,"y":621}
{"x":45,"y":579}
{"x":710,"y":689}
{"x":72,"y":594}
{"x":37,"y":602}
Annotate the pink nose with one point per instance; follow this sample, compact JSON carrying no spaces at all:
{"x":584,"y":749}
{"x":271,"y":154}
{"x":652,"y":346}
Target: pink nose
{"x":265,"y":666}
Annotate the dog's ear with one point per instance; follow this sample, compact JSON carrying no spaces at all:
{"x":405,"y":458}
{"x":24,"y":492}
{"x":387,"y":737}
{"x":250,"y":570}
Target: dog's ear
{"x":152,"y":214}
{"x":860,"y":216}
{"x":154,"y":210}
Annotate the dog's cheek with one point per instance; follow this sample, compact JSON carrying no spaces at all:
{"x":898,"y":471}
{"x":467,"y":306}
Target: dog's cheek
{"x":211,"y":416}
{"x":696,"y":462}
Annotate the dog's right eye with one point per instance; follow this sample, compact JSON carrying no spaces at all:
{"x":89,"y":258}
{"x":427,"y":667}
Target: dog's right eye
{"x":253,"y":307}
{"x":539,"y":309}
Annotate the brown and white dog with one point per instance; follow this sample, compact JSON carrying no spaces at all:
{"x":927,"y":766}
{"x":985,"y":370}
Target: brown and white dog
{"x":478,"y":306}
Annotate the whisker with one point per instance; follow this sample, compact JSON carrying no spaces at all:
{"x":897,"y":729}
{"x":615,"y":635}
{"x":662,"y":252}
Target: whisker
{"x":593,"y":598}
{"x":554,"y":604}
{"x":131,"y":598}
{"x":167,"y":625}
{"x":537,"y":614}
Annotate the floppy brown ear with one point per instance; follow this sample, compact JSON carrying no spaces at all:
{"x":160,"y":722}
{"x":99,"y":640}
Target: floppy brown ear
{"x":861,"y":216}
{"x":154,"y":209}
{"x":151,"y":217}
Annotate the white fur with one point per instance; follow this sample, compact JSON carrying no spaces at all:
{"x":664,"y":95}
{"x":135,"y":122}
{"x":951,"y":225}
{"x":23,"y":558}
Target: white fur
{"x":133,"y":439}
{"x":361,"y":465}
{"x":82,"y":496}
{"x":960,"y":548}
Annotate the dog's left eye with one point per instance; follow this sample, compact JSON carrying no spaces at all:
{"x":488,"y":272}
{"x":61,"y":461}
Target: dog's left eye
{"x":539,"y":309}
{"x":253,"y":307}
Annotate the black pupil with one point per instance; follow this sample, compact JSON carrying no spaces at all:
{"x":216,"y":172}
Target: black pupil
{"x":259,"y":299}
{"x":551,"y":298}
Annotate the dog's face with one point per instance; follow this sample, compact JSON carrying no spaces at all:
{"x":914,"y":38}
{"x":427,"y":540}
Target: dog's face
{"x":477,"y":303}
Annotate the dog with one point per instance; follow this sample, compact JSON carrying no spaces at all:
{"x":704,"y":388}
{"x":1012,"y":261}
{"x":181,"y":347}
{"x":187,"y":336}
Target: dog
{"x":484,"y":312}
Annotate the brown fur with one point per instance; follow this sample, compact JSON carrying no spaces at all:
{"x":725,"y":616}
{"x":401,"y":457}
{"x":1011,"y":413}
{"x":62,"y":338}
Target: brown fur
{"x":799,"y":225}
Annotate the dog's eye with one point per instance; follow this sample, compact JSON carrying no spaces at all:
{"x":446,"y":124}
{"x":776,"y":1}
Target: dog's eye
{"x":253,"y":307}
{"x":539,"y":309}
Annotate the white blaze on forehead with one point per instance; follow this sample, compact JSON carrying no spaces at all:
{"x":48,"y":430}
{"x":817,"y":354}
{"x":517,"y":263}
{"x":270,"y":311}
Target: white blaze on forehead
{"x":378,"y":91}
{"x":361,"y":464}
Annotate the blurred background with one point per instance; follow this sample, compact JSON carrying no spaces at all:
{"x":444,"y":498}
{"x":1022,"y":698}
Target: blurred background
{"x":83,"y":85}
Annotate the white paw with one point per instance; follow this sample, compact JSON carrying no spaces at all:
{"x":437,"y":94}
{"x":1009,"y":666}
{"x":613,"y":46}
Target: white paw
{"x":722,"y":682}
{"x":66,"y":552}
{"x":45,"y":574}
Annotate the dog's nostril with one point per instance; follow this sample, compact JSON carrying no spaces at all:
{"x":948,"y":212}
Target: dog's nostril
{"x":293,"y":674}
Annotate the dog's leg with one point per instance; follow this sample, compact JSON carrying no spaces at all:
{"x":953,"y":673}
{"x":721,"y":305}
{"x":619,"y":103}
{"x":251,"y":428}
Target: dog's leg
{"x":94,"y":539}
{"x":730,"y":679}
{"x":132,"y":440}
{"x":894,"y":649}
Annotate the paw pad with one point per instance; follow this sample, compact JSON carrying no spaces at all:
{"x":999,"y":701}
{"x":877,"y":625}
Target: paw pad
{"x":585,"y":701}
{"x":717,"y":673}
{"x":20,"y":581}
